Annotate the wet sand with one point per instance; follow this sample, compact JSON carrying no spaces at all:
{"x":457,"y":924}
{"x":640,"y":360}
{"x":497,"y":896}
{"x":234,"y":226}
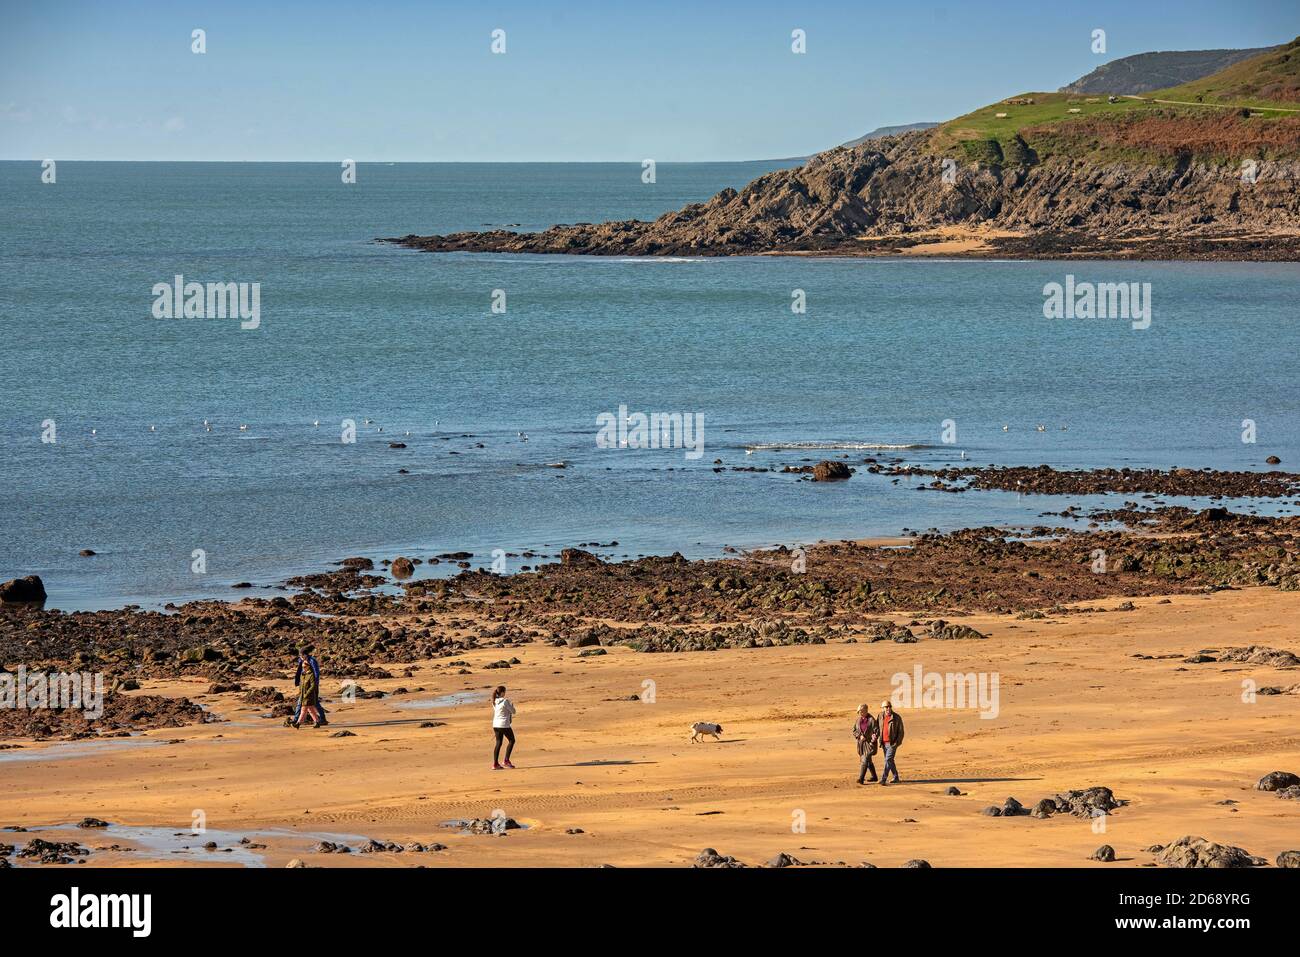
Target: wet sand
{"x":1076,"y":709}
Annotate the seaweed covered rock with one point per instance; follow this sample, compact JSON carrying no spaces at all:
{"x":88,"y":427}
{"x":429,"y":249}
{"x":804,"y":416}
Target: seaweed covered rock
{"x":829,"y":471}
{"x":1192,"y":851}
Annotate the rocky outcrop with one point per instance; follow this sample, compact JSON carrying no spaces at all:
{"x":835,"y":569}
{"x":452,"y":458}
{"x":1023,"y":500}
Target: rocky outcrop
{"x":1277,"y":781}
{"x":1045,"y":480}
{"x":711,"y":858}
{"x":1089,"y":802}
{"x":53,"y":852}
{"x":497,"y":824}
{"x":848,"y":592}
{"x":880,"y":196}
{"x":1191,"y":851}
{"x":373,"y":846}
{"x":1260,"y":655}
{"x":1012,"y":808}
{"x":586,"y":639}
{"x":28,"y":590}
{"x":358,"y":564}
{"x":579,"y":558}
{"x":889,"y":631}
{"x":763,"y":634}
{"x":828,"y":471}
{"x":945,"y":631}
{"x":1043,"y":809}
{"x":121,"y":714}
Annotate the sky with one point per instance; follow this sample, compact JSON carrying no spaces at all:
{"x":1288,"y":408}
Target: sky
{"x":578,"y":81}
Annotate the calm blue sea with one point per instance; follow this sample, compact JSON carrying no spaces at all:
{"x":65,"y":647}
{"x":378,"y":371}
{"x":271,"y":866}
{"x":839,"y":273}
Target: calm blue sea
{"x":885,"y":353}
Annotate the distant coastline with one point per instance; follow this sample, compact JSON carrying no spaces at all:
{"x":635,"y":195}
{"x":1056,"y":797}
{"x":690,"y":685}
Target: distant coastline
{"x":1204,"y":170}
{"x":893,"y":197}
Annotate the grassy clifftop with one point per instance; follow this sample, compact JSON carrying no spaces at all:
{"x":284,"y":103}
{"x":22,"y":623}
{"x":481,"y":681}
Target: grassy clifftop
{"x":1270,"y":79}
{"x":1249,"y":110}
{"x":1138,"y":177}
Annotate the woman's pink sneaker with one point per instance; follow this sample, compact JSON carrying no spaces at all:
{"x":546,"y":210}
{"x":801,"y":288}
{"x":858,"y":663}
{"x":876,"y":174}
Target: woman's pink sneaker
{"x":510,"y":766}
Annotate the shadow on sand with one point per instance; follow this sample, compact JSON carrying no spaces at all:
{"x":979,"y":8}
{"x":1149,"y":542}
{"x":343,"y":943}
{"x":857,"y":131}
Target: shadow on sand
{"x":589,"y":764}
{"x":959,"y":780}
{"x":367,"y":724}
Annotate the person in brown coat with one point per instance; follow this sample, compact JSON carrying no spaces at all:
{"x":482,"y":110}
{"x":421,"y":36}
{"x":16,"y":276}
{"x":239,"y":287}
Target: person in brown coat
{"x":891,"y":738}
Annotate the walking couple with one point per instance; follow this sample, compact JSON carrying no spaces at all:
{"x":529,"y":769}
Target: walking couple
{"x":882,"y":732}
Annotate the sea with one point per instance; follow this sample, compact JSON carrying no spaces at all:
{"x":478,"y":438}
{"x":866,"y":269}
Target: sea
{"x":194,"y":452}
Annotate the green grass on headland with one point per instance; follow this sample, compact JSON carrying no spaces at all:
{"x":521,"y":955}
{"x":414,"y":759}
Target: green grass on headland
{"x":1270,"y":79}
{"x":1251,"y":105}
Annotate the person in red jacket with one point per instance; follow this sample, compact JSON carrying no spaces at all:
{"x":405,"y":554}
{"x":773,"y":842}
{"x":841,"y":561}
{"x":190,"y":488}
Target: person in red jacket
{"x":891,"y":737}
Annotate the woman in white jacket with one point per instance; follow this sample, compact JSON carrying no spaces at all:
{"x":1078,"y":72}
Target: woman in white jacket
{"x":503,"y":712}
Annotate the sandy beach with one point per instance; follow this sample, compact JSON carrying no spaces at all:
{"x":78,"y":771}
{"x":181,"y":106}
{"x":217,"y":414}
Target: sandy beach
{"x":606,"y":778}
{"x":525,"y":464}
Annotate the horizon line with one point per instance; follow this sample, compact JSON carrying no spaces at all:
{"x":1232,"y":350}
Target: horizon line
{"x":408,"y":162}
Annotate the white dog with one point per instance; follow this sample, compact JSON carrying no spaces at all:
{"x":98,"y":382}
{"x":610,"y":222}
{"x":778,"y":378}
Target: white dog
{"x":700,"y":728}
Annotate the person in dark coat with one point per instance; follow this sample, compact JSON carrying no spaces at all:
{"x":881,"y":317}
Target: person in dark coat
{"x":867,"y":734}
{"x":307,"y":680}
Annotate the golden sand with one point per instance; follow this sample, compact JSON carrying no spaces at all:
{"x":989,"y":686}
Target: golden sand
{"x":1075,"y":710}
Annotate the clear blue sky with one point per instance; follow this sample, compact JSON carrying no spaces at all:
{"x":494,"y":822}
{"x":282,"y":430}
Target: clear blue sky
{"x":581,"y":80}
